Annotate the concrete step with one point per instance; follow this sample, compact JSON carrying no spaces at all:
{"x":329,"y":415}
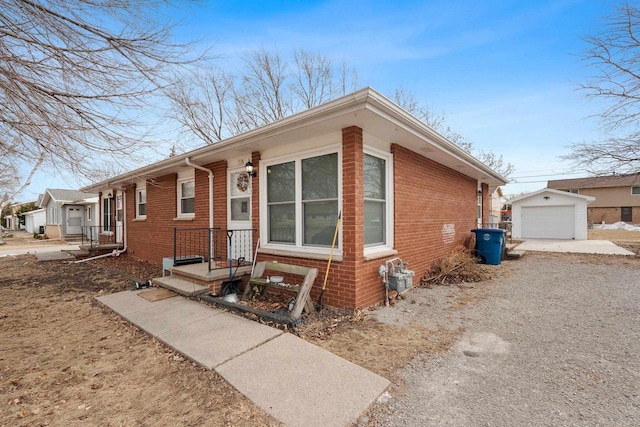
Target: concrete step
{"x":515,"y":254}
{"x":183,"y":287}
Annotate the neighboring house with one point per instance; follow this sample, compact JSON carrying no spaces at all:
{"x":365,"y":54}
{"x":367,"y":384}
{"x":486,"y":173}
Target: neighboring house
{"x":12,"y":221}
{"x":403,"y":191}
{"x":550,"y":214}
{"x":69,"y":212}
{"x":617,"y":196}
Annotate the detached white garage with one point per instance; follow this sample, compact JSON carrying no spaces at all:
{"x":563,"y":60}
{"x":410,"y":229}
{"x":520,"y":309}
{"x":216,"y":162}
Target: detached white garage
{"x":550,"y":214}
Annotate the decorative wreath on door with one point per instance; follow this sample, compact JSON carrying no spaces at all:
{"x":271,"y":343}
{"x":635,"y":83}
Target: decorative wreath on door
{"x":242,"y":182}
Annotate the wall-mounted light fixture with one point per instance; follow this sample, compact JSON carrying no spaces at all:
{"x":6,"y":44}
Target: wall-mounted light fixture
{"x":109,"y":195}
{"x":249,"y":169}
{"x":479,"y":193}
{"x":546,"y":197}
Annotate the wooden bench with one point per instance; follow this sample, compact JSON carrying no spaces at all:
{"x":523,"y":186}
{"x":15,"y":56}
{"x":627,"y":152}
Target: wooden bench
{"x":303,"y":291}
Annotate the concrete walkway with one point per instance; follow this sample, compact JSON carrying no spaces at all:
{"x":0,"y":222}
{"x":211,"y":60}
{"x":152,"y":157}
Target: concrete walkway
{"x":604,"y":247}
{"x":296,"y":382}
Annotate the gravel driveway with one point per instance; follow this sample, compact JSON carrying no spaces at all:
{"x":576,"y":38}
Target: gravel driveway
{"x":555,"y":343}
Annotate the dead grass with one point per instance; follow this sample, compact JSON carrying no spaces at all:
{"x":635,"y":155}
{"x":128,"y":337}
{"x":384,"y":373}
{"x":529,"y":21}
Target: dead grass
{"x":614,"y":235}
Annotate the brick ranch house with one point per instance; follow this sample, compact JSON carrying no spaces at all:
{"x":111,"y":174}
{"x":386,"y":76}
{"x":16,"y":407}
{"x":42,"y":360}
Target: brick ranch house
{"x":403,"y":190}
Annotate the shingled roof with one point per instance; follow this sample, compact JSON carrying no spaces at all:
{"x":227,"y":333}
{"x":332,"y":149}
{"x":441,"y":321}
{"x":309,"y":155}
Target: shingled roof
{"x":629,"y":180}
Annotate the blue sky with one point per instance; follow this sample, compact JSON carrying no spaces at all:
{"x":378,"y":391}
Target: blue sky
{"x":504,"y":73}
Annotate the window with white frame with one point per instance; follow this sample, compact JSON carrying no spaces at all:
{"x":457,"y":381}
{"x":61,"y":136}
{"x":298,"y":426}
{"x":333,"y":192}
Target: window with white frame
{"x":107,"y":214}
{"x":378,"y":200}
{"x":635,"y":191}
{"x":239,"y":196}
{"x":186,"y":197}
{"x":303,"y":200}
{"x":88,"y":213}
{"x":141,"y":203}
{"x":375,"y":200}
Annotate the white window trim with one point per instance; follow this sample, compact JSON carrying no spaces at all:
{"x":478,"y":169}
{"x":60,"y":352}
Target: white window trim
{"x":370,"y":251}
{"x":632,"y":193}
{"x":88,"y":213}
{"x":179,"y":198}
{"x":233,"y":223}
{"x":112,"y":219}
{"x":297,"y":248}
{"x":138,"y":190}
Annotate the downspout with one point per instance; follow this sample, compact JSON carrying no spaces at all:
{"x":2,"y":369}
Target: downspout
{"x":210,"y":172}
{"x":115,"y":252}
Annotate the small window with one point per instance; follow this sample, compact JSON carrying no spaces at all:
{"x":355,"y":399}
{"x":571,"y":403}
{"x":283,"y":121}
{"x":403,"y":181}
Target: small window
{"x":141,"y":203}
{"x":88,"y":213}
{"x":239,"y":196}
{"x":107,"y":214}
{"x":574,"y":191}
{"x":635,"y":191}
{"x":375,"y":200}
{"x":186,"y":198}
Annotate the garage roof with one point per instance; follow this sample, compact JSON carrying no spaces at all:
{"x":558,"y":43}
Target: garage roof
{"x":589,"y":199}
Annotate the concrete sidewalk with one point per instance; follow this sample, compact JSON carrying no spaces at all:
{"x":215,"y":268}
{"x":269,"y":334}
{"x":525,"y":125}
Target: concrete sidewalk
{"x":296,"y":382}
{"x":604,"y":247}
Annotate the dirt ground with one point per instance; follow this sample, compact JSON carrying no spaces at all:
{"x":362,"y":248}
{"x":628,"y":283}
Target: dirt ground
{"x":66,"y":360}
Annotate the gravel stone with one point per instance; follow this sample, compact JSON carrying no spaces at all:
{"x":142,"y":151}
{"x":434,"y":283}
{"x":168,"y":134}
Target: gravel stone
{"x":556,"y":342}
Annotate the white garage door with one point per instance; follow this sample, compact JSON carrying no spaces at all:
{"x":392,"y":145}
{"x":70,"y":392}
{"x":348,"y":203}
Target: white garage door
{"x":548,"y":222}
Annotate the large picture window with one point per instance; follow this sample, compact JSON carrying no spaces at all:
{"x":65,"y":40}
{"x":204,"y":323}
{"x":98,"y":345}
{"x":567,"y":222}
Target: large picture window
{"x":186,"y":197}
{"x":303,"y":201}
{"x":281,"y":202}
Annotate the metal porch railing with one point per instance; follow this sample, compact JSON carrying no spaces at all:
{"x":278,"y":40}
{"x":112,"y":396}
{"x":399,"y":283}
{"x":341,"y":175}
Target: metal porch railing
{"x":95,"y":236}
{"x":218,"y":247}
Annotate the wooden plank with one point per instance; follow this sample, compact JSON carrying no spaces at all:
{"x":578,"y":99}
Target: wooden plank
{"x":285,"y":268}
{"x":304,"y":294}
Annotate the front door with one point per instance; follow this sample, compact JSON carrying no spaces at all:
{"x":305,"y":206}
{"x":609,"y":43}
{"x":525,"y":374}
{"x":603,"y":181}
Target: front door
{"x":626,"y":214}
{"x":239,"y":213}
{"x":74,"y":220}
{"x":119,"y":216}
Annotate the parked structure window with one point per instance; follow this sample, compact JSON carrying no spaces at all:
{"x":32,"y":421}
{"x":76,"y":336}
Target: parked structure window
{"x":635,"y":190}
{"x":141,"y":202}
{"x":186,"y":197}
{"x":107,"y":214}
{"x":303,"y":200}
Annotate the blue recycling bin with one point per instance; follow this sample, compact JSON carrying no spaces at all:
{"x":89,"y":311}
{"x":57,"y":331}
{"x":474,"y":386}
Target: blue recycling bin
{"x":489,"y":244}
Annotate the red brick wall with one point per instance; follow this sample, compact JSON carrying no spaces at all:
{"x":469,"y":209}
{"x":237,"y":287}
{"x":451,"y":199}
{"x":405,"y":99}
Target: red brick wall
{"x":430,"y":200}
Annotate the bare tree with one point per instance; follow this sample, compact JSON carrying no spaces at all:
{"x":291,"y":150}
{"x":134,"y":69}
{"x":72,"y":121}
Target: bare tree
{"x":614,"y":53}
{"x":203,"y":103}
{"x":74,"y":78}
{"x":262,"y":97}
{"x":213,"y":105}
{"x":437,"y":121}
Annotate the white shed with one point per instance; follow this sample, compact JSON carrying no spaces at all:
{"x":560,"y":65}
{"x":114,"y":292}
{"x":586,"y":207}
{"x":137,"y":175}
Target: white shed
{"x":34,"y":219}
{"x":550,"y":214}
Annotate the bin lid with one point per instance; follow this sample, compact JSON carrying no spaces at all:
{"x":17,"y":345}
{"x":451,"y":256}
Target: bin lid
{"x":488,"y":230}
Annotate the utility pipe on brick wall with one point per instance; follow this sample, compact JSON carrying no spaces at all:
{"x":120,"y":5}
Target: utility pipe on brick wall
{"x":210,"y":172}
